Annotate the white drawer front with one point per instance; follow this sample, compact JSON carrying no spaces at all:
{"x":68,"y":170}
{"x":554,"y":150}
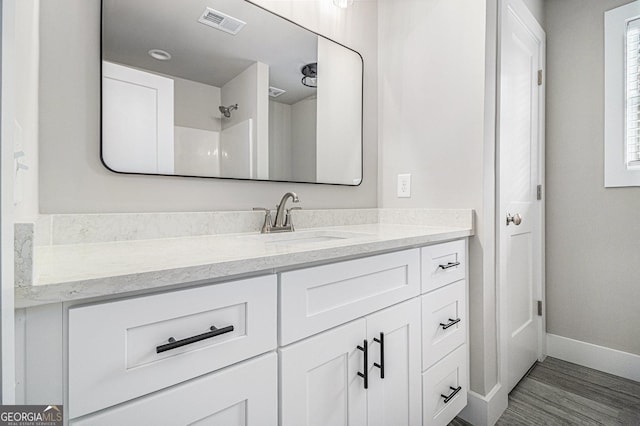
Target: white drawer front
{"x":443,"y":379}
{"x":443,"y":264}
{"x":113,"y":347}
{"x":315,"y":299}
{"x":444,"y":322}
{"x":245,"y":394}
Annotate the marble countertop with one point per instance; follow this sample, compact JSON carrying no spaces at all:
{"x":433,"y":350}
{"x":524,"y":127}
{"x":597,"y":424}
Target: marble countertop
{"x":80,"y":271}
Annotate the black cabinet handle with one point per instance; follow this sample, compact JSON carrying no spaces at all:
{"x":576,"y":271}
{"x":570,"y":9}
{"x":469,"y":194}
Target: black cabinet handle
{"x":381,"y":365}
{"x":452,"y":394}
{"x":173,"y":343}
{"x":449,"y":265}
{"x":452,"y":322}
{"x":365,"y":375}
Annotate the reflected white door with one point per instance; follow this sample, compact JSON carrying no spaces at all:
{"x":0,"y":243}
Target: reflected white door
{"x":137,"y":120}
{"x":521,"y":116}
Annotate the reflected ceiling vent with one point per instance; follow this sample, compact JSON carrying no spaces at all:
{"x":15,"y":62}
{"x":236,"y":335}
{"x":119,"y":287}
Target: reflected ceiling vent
{"x":274,"y":92}
{"x":221,"y":21}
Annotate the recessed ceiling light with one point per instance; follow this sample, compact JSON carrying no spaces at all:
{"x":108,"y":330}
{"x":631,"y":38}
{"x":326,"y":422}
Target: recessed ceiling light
{"x":159,"y":54}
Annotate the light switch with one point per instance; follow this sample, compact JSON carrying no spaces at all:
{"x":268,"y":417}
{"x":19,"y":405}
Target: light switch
{"x":404,"y":186}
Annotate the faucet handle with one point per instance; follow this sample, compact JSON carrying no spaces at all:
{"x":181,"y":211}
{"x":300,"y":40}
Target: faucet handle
{"x":288,"y":221}
{"x":266,"y":226}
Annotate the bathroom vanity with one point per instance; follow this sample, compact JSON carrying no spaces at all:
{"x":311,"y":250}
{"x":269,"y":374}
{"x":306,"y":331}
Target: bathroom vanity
{"x":359,"y":324}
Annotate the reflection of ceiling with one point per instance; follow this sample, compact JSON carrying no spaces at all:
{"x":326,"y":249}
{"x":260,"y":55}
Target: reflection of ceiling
{"x":200,"y":53}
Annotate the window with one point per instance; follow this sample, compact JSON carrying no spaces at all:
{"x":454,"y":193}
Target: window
{"x":632,"y":74}
{"x":622,"y":96}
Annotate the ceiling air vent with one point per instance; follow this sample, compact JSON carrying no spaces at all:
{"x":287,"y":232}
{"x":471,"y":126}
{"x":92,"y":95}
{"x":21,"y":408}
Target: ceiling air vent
{"x":221,"y":21}
{"x":274,"y":92}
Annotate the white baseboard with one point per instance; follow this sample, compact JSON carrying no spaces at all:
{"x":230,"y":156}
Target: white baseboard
{"x":485,"y":410}
{"x":610,"y":361}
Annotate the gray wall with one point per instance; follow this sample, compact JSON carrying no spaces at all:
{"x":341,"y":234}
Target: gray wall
{"x":536,"y":7}
{"x":196,"y":105}
{"x":72,"y":179}
{"x":593,"y":233}
{"x":437,"y":122}
{"x":431,"y":125}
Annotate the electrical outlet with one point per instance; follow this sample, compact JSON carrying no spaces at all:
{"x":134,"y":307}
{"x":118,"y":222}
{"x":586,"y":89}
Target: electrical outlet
{"x":404,"y":186}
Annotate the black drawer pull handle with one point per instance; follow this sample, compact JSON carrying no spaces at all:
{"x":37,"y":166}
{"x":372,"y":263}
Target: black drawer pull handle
{"x":449,"y":265}
{"x":173,"y":343}
{"x":452,"y":394}
{"x":452,"y":322}
{"x":365,"y":375}
{"x":381,"y":365}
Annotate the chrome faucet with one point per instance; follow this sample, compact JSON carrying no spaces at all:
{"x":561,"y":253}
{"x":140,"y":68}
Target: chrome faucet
{"x":282,"y":222}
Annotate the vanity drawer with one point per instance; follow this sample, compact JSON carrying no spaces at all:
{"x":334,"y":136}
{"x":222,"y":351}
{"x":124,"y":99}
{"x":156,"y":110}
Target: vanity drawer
{"x":318,"y":298}
{"x":245,"y":394}
{"x":444,"y":378}
{"x":113,"y":347}
{"x":443,"y":264}
{"x":444,"y":322}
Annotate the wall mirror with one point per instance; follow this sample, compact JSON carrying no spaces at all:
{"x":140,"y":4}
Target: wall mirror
{"x":227,"y":89}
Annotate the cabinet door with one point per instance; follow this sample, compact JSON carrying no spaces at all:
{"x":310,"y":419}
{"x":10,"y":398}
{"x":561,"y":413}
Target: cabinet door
{"x":116,"y":360}
{"x":319,"y":379}
{"x":443,"y":264}
{"x":315,"y":299}
{"x":242,"y":395}
{"x":444,"y":322}
{"x":445,"y":388}
{"x":396,"y":398}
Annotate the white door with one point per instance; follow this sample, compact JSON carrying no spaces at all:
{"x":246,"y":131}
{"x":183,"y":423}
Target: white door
{"x":319,"y":381}
{"x":7,"y":168}
{"x":137,"y":120}
{"x":521,"y":118}
{"x":394,"y":397}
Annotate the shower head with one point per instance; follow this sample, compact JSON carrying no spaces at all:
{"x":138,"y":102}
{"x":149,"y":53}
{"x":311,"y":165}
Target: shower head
{"x":226,"y":111}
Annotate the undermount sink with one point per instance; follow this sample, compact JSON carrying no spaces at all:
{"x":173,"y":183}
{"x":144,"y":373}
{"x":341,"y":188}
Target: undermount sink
{"x":304,"y":237}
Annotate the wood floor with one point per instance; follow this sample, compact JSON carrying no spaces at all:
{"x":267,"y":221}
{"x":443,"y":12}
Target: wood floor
{"x":560,"y":393}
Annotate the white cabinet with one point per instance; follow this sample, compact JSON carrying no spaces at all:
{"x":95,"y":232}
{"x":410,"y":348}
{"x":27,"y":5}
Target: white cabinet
{"x":443,"y":264}
{"x":323,"y":377}
{"x":444,"y":322}
{"x":395,"y":399}
{"x":444,"y":388}
{"x":444,"y":332}
{"x":397,"y":319}
{"x":319,"y":382}
{"x":121,"y":350}
{"x":245,"y":394}
{"x":315,"y":299}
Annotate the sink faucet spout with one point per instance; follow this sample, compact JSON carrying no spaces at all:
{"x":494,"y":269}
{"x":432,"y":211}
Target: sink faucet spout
{"x":279,"y":220}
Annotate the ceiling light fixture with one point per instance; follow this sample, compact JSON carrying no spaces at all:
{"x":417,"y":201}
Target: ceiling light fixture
{"x":310,"y":73}
{"x":159,"y":54}
{"x":343,"y":4}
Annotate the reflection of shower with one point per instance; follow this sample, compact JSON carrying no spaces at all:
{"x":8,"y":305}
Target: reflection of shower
{"x":226,"y":111}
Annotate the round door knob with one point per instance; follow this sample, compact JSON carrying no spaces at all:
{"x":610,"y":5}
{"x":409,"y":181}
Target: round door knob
{"x":515,"y":219}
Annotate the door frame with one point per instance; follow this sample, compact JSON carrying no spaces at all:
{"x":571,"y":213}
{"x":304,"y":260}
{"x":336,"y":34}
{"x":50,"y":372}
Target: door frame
{"x":530,"y":22}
